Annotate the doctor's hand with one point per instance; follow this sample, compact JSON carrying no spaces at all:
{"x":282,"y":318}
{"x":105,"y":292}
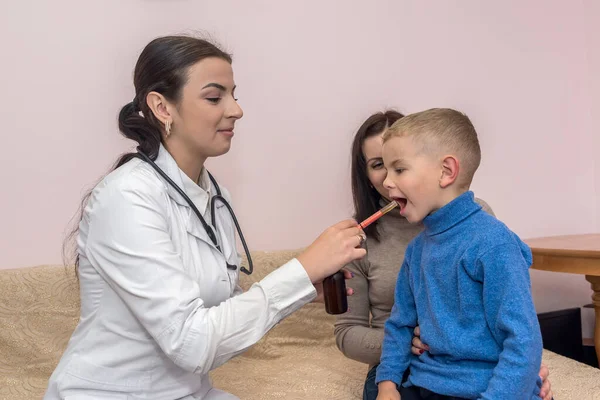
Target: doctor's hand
{"x":333,"y":249}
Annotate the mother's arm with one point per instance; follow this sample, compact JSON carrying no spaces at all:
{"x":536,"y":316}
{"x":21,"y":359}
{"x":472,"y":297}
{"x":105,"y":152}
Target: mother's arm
{"x":353,"y":333}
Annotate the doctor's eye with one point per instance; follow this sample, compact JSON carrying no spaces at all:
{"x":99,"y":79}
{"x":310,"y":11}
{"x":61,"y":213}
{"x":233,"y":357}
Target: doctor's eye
{"x":214,"y":100}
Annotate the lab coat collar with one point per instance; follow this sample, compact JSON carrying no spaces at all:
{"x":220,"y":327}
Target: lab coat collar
{"x":167,"y":163}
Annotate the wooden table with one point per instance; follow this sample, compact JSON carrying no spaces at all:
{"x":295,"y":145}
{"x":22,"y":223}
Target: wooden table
{"x":575,"y":254}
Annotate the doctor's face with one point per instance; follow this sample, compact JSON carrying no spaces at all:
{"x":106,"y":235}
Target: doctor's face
{"x":205,"y":116}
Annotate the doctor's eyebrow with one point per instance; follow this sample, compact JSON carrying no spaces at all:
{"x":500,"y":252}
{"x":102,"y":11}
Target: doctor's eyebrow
{"x":218,"y":86}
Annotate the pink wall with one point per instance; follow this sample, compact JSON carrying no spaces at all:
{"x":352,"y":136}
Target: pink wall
{"x":592,"y":21}
{"x":308,"y":73}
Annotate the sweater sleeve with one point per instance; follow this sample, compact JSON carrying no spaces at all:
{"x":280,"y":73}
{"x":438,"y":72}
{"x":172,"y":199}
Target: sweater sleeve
{"x":396,"y":354}
{"x":510,"y":314}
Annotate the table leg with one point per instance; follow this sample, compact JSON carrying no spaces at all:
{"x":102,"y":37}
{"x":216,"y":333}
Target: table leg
{"x":595,"y":281}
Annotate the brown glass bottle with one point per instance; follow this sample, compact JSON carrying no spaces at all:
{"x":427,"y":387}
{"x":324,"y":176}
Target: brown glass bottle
{"x":334,"y":293}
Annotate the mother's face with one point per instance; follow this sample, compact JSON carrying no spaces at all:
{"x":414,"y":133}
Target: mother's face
{"x":376,"y":172}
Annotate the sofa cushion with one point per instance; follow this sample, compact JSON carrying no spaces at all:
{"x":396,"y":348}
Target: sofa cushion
{"x":39,"y":308}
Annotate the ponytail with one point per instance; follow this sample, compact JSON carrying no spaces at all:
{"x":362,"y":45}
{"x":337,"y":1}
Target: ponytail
{"x":139,"y":129}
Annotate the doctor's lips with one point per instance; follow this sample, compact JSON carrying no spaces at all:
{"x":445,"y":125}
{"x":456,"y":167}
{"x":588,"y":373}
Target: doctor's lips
{"x":378,"y":214}
{"x":226,"y":131}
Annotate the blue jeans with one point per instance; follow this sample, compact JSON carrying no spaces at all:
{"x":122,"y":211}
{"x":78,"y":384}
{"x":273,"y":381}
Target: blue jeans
{"x":417,"y":393}
{"x":370,"y":390}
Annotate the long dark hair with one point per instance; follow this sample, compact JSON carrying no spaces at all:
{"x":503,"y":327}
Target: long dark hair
{"x":366,"y":197}
{"x":162,"y":67}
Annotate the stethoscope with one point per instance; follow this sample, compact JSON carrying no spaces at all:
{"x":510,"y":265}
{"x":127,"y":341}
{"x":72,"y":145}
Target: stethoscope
{"x":209,"y":229}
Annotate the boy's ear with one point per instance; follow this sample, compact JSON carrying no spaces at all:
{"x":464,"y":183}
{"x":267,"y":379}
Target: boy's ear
{"x":450,"y":170}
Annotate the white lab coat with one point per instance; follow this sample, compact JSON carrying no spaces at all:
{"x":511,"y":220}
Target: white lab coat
{"x":159,"y":308}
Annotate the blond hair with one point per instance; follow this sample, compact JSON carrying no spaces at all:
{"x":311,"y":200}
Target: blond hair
{"x":442,"y":130}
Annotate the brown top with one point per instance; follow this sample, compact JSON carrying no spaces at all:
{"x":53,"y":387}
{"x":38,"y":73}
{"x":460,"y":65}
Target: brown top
{"x":359,"y":332}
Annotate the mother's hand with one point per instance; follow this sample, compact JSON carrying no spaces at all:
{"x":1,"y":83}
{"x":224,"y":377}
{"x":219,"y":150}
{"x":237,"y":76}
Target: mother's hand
{"x":546,"y":391}
{"x":418,"y":347}
{"x":319,"y":287}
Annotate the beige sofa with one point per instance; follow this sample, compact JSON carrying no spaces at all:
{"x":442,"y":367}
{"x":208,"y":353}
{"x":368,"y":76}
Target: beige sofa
{"x":39,"y":308}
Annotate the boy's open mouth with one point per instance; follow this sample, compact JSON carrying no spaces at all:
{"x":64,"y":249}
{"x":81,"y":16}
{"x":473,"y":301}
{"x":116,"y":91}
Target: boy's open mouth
{"x":401,"y":202}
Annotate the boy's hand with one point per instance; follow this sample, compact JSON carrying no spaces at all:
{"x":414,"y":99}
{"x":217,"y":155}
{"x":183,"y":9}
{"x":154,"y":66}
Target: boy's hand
{"x":388,"y":391}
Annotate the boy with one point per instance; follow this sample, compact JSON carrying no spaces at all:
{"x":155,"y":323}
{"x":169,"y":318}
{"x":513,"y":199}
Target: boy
{"x":464,"y":280}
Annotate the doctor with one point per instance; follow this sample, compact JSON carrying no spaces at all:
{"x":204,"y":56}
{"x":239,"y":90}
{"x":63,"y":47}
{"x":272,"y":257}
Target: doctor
{"x":160,"y":301}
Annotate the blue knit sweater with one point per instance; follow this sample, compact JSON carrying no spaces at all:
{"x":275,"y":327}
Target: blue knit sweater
{"x":465,"y":282}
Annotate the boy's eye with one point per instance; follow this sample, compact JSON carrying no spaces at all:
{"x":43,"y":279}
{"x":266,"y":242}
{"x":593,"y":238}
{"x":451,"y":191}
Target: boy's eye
{"x":399,"y":170}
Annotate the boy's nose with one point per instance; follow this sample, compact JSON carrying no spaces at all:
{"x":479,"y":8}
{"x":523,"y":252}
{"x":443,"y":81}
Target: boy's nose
{"x":387,"y":183}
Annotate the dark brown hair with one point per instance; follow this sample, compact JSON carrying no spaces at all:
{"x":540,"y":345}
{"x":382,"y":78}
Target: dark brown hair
{"x":366,"y":197}
{"x":162,"y":67}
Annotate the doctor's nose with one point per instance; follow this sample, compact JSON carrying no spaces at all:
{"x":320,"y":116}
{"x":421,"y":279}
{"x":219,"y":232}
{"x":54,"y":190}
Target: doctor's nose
{"x":235,"y":111}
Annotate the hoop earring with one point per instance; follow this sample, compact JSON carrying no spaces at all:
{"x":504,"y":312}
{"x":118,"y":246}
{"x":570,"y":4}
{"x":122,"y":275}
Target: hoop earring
{"x":168,"y":128}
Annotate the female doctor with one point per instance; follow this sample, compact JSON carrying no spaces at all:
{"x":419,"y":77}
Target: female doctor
{"x":160,"y":301}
